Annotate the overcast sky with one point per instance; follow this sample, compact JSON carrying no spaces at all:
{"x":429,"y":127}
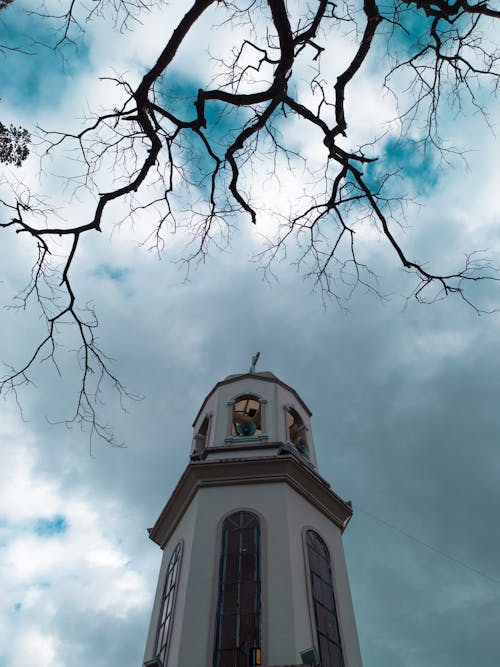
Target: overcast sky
{"x":405,"y":402}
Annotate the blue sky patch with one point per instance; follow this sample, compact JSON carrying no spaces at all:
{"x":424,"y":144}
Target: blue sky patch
{"x":415,"y":162}
{"x":39,"y":77}
{"x":179,"y":93}
{"x":115,"y":273}
{"x":224,"y":122}
{"x":407,"y":158}
{"x":57,"y":525}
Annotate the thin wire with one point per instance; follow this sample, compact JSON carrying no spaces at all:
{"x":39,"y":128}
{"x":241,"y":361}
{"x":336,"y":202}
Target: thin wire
{"x":429,"y":546}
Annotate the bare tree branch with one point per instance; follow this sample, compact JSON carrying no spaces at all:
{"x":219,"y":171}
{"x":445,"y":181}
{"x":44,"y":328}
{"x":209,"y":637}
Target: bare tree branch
{"x":210,"y":147}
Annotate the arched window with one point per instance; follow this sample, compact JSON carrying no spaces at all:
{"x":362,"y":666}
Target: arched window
{"x":237,"y":628}
{"x":167,"y":605}
{"x":325,"y":614}
{"x":201,"y":437}
{"x":297,"y":431}
{"x":247,"y":417}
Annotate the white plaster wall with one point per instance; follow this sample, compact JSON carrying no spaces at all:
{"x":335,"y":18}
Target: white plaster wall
{"x":185,"y":532}
{"x":301,"y":517}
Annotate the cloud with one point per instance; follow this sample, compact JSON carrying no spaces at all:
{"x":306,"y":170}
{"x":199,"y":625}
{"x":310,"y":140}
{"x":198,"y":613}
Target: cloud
{"x":405,"y":404}
{"x":71,"y":566}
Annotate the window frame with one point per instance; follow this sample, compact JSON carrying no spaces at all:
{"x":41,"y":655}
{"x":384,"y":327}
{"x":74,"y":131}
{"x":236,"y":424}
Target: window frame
{"x":302,"y":431}
{"x":327,"y":613}
{"x":239,"y":399}
{"x":228,"y":586}
{"x":201,"y":437}
{"x":168,"y":600}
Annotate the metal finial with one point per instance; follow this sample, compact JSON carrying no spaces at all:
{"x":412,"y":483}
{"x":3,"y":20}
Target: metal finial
{"x":255,"y":359}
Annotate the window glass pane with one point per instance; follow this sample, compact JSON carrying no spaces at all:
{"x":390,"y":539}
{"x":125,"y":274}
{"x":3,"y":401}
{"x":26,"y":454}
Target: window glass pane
{"x":249,"y":520}
{"x":227,"y":658}
{"x":238,"y":607}
{"x":248,"y":539}
{"x":248,"y":567}
{"x":159,"y":643}
{"x":170,"y":601}
{"x":232,"y":573}
{"x":230,"y":603}
{"x":324,"y":602}
{"x":247,"y":631}
{"x":164,"y":614}
{"x":166,"y":628}
{"x":163,"y":655}
{"x":323,"y":593}
{"x":314,"y":561}
{"x":169,"y":580}
{"x":233,"y":541}
{"x":247,"y":598}
{"x":165,"y":623}
{"x":324,"y":570}
{"x":328,"y":624}
{"x":324,"y":651}
{"x":228,"y":631}
{"x":336,"y":656}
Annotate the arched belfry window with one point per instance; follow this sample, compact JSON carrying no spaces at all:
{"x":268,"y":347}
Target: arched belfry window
{"x":167,"y":605}
{"x":297,"y":431}
{"x":325,"y":614}
{"x":237,"y":628}
{"x":200,"y":439}
{"x":247,"y":416}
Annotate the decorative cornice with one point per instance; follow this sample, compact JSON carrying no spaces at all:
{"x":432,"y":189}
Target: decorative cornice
{"x":283,"y":468}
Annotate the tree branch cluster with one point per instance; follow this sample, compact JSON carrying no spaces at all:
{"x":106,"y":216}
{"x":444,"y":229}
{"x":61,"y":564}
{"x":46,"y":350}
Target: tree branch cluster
{"x":153,"y":141}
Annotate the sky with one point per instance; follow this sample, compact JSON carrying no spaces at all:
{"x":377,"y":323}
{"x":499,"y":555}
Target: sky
{"x":404,"y":396}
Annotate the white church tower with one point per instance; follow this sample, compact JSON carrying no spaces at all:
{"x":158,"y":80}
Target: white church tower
{"x":253,"y":571}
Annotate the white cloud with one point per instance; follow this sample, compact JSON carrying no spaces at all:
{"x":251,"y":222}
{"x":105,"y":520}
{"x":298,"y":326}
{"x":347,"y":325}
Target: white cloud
{"x":82,"y":572}
{"x":405,"y":407}
{"x":36,"y":649}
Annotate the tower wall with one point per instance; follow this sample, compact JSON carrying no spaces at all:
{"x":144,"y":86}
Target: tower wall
{"x":287,"y":613}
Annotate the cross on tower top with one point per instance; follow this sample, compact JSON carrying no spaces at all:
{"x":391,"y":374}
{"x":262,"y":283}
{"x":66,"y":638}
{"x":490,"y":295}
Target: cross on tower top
{"x":255,"y":359}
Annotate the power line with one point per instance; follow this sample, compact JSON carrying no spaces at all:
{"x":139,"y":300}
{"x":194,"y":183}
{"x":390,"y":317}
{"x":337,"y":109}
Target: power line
{"x":429,"y":546}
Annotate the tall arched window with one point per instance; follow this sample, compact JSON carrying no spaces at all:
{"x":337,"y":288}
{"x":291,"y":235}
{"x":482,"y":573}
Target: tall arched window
{"x":325,"y":614}
{"x":167,"y":605}
{"x":237,"y":628}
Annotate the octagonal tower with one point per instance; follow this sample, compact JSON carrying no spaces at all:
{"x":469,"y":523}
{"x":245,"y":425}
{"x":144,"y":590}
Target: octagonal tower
{"x":253,"y":571}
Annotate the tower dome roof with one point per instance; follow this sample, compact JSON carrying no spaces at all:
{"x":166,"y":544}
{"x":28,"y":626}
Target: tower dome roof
{"x":266,"y":376}
{"x":263,"y":374}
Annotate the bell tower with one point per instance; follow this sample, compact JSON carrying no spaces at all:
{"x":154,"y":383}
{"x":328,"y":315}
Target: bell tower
{"x":253,"y":571}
